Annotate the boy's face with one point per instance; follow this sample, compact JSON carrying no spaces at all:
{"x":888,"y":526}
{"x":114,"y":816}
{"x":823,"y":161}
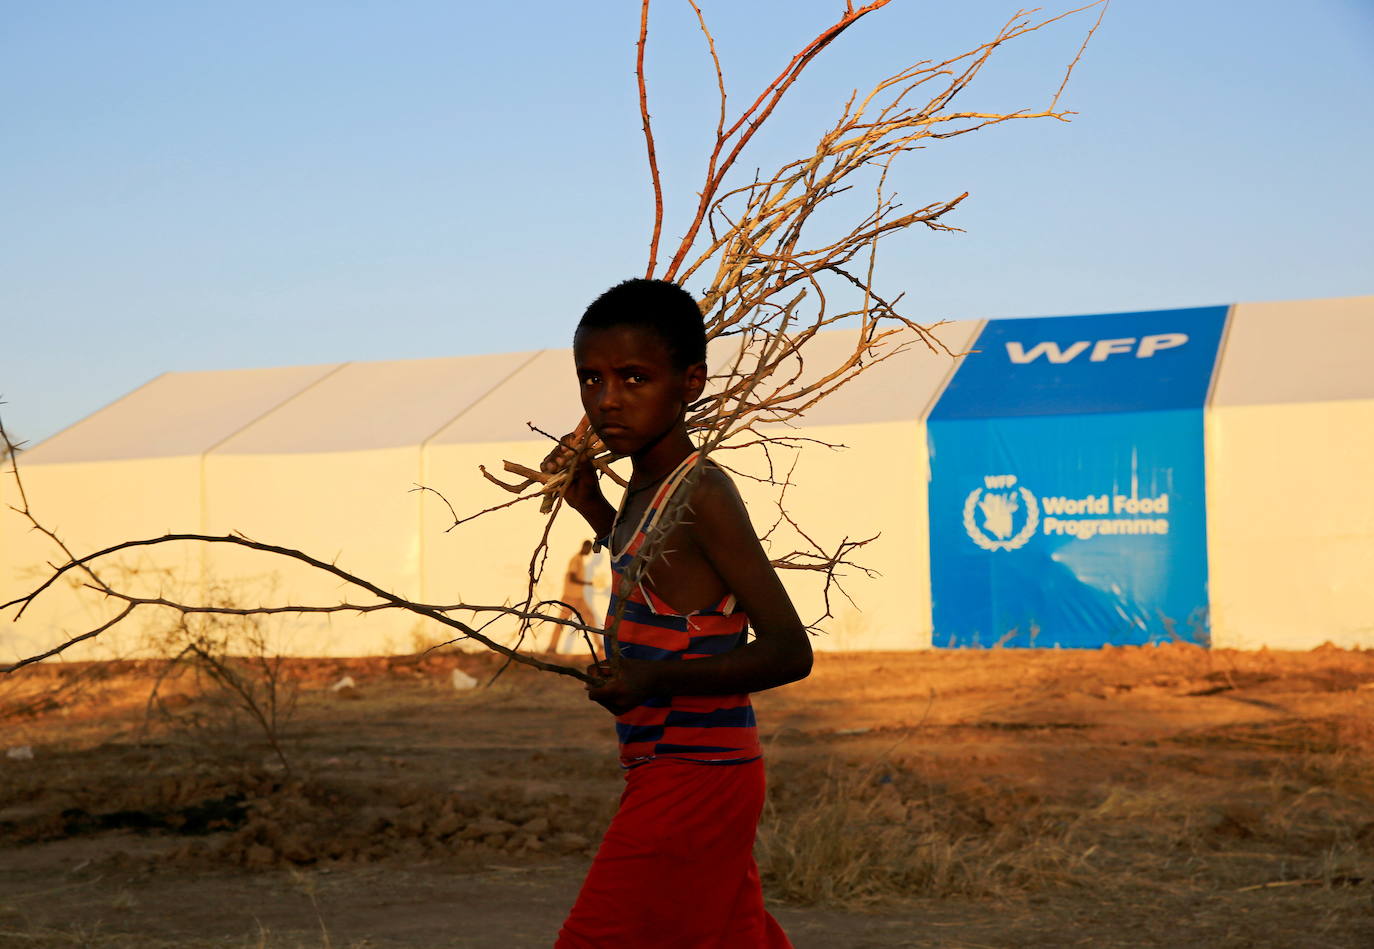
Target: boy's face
{"x":631,"y":392}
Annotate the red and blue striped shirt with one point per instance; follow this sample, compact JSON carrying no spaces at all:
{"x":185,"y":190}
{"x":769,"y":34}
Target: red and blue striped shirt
{"x":708,"y":729}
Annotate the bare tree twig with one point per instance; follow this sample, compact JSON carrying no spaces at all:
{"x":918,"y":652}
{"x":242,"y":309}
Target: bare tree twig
{"x":1079,"y":55}
{"x":654,"y":176}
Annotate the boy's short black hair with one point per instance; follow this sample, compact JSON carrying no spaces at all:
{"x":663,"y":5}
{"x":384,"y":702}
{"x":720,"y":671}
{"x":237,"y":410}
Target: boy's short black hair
{"x":656,"y":305}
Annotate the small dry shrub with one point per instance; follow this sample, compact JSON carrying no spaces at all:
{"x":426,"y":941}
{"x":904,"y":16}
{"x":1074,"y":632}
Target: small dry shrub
{"x":234,"y":670}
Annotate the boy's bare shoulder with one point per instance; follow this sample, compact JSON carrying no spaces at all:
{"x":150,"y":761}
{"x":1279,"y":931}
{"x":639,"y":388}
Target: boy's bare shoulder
{"x":715,"y":480}
{"x":716,"y":500}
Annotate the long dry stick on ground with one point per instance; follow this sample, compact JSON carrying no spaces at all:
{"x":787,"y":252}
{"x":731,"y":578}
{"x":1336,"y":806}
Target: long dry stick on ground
{"x":773,"y":274}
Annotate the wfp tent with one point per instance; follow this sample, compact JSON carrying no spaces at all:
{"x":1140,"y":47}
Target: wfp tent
{"x":1067,"y":493}
{"x":1070,"y":481}
{"x":1143,"y":477}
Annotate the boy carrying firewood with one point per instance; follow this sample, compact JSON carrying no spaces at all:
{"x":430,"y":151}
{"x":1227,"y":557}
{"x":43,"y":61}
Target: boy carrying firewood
{"x":676,"y":867}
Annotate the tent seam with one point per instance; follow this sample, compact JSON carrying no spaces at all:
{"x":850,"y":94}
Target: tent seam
{"x":481,"y":398}
{"x":934,"y":399}
{"x":290,"y":398}
{"x":424,"y":454}
{"x":205,"y":454}
{"x":1222,"y":344}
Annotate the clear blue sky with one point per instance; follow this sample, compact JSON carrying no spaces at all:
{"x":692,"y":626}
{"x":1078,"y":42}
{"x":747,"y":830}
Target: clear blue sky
{"x":193,"y":186}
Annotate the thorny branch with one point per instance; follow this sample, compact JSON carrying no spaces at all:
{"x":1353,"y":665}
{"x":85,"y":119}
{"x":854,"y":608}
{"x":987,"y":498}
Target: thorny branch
{"x":386,"y":600}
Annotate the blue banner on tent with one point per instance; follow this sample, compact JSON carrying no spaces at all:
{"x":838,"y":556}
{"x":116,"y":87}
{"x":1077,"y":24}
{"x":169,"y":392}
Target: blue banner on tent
{"x":1067,"y":482}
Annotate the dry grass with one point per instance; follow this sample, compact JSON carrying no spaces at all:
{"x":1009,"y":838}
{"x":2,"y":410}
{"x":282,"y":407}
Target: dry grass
{"x":854,"y":834}
{"x":1268,"y":790}
{"x":870,"y":831}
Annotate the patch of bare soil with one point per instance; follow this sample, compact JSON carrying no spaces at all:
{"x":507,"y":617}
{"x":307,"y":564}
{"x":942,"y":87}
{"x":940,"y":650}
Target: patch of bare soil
{"x":1165,"y":796}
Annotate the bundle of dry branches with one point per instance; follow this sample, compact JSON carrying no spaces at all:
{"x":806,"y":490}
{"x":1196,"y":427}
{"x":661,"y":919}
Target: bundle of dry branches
{"x":771,"y":281}
{"x":773,"y":285}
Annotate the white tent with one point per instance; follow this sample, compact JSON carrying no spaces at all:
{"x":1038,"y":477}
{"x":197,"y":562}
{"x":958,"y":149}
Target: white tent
{"x":332,"y":471}
{"x":1290,"y":464}
{"x":325,"y":459}
{"x":133,"y":469}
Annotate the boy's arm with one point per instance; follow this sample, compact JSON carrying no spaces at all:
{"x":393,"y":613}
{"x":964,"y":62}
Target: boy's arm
{"x":781,"y":650}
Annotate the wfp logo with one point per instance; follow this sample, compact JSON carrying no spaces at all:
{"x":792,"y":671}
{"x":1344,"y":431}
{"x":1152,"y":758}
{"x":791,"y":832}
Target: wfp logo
{"x":1102,"y":349}
{"x":992,"y":513}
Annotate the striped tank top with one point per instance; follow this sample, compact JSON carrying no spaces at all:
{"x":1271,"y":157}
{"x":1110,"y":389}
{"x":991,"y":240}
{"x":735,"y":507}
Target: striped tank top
{"x":708,"y":729}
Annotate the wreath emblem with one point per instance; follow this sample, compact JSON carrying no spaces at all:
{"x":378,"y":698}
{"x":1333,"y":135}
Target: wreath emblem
{"x":1018,"y":539}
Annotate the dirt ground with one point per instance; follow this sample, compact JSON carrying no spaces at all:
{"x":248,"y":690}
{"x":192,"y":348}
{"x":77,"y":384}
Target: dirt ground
{"x":1165,"y":796}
